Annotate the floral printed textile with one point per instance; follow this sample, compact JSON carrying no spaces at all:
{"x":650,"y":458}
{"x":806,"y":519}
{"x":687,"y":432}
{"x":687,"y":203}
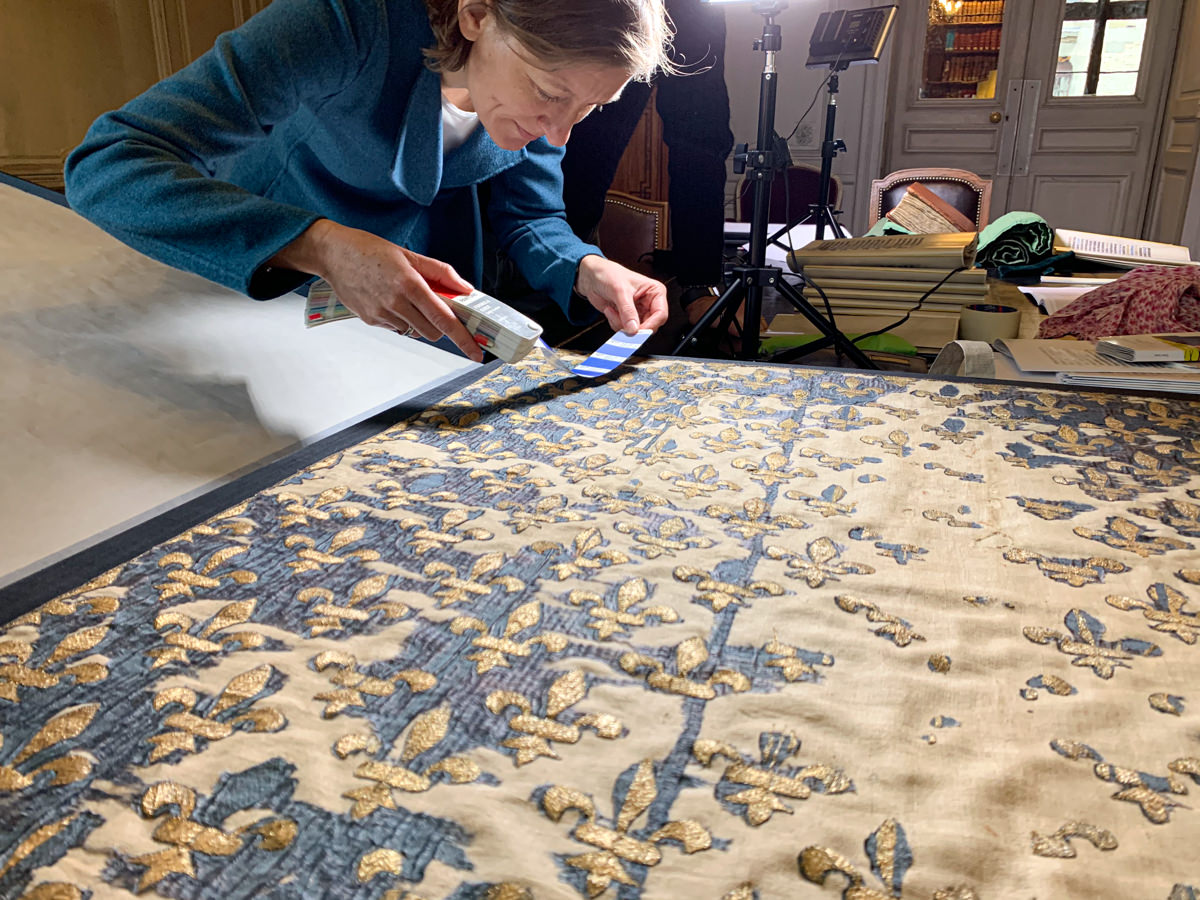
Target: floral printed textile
{"x":1146,"y":300}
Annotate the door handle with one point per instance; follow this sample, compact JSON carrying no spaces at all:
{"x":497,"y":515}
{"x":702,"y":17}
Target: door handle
{"x":996,"y":118}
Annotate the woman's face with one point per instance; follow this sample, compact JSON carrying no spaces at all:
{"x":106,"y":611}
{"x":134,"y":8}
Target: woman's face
{"x":519,"y":101}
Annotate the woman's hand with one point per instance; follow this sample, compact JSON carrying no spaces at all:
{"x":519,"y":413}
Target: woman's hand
{"x":630,"y":301}
{"x":382,"y":283}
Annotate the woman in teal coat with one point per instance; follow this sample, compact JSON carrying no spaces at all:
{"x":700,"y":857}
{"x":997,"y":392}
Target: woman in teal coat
{"x":347,"y":139}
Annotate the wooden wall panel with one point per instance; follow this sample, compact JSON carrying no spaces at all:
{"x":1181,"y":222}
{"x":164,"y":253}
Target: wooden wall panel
{"x":1177,"y":160}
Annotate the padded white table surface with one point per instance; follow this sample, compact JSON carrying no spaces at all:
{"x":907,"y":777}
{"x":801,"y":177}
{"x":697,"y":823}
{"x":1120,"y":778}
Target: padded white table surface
{"x":129,"y":387}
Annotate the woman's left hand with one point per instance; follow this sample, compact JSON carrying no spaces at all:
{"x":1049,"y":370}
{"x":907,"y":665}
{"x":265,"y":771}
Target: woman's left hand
{"x":629,"y":300}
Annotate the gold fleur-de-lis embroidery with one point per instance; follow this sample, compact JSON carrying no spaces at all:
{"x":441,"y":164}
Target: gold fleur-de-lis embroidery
{"x":753,"y":520}
{"x":896,"y":630}
{"x":1100,"y":484}
{"x":231,"y":521}
{"x":458,"y":589}
{"x":668,"y":538}
{"x":821,"y":565}
{"x":898,"y":411}
{"x":424,"y":733}
{"x":69,"y":767}
{"x":77,"y":602}
{"x":514,"y":478}
{"x":183,"y":579}
{"x":1145,"y":468}
{"x":425,"y":539}
{"x":301,"y":510}
{"x":487,"y":451}
{"x":615,"y":846}
{"x":848,"y":418}
{"x":950,"y":518}
{"x":689,"y":656}
{"x":758,"y":786}
{"x":562,"y":447}
{"x":16,"y":673}
{"x":719,"y":594}
{"x":1178,"y":514}
{"x":310,"y":559}
{"x":350,"y":683}
{"x":1165,"y":612}
{"x":595,"y":466}
{"x":179,"y":641}
{"x":494,"y":650}
{"x":1146,"y":790}
{"x":828,"y":504}
{"x":1075,"y":572}
{"x":1123,"y":534}
{"x":1057,"y":845}
{"x":609,"y":502}
{"x":890,"y":856}
{"x":216,"y":724}
{"x":896,"y":443}
{"x":1087,"y":646}
{"x":1050,"y":406}
{"x":773,"y":469}
{"x":785,"y":431}
{"x":1066,"y":439}
{"x":850,"y":387}
{"x":550,"y":510}
{"x":607,"y":621}
{"x":185,"y":836}
{"x":728,"y":440}
{"x":788,"y":660}
{"x":535,"y":733}
{"x":326,"y":615}
{"x":590,"y":554}
{"x":701,"y":481}
{"x":738,"y":408}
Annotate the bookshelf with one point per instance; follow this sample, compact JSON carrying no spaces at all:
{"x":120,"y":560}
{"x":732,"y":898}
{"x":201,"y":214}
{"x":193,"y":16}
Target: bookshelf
{"x":962,"y":50}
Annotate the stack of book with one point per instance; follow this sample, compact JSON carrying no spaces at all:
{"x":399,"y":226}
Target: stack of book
{"x":872,"y":282}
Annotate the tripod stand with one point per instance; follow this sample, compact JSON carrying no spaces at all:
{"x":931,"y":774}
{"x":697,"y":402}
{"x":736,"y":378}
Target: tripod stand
{"x":749,"y":281}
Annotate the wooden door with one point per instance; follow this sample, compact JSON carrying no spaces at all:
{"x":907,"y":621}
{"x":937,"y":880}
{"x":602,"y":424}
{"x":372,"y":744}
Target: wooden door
{"x":1080,"y":160}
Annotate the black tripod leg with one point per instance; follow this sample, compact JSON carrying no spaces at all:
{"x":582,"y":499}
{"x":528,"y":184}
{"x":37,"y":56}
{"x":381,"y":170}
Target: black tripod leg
{"x":832,"y":335}
{"x":727,"y":303}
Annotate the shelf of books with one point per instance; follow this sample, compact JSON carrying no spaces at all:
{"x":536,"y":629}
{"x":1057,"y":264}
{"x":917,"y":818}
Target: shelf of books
{"x":962,"y":50}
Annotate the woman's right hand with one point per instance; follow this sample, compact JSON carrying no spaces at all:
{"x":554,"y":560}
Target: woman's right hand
{"x":382,"y":283}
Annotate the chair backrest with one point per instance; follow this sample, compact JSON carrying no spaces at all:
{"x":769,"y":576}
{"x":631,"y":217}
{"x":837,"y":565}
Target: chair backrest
{"x":631,"y":228}
{"x":967,"y":192}
{"x":792,"y":192}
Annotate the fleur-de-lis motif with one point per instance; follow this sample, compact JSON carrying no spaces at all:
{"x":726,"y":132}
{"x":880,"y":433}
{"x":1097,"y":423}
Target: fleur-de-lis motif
{"x":424,"y":733}
{"x":231,"y":521}
{"x":897,"y":443}
{"x":235,"y":706}
{"x":758,"y":785}
{"x":952,"y":430}
{"x":622,"y":502}
{"x":669,"y":537}
{"x":1075,"y":572}
{"x":16,"y":673}
{"x":514,"y":478}
{"x":785,"y":431}
{"x":184,"y":579}
{"x":728,"y":440}
{"x":186,"y":837}
{"x":590,"y":554}
{"x":821,"y":564}
{"x":1066,"y":439}
{"x":689,"y":656}
{"x":1182,"y":516}
{"x":891,"y":857}
{"x":179,"y":639}
{"x":773,"y":469}
{"x":310,"y":559}
{"x":848,"y":418}
{"x":77,"y":602}
{"x":494,"y":650}
{"x":551,"y":510}
{"x":753,"y":520}
{"x":425,"y":538}
{"x":595,"y":466}
{"x":486,"y":451}
{"x":15,"y":772}
{"x":828,"y":504}
{"x":1101,"y":485}
{"x":837,"y":463}
{"x":796,"y":664}
{"x":1088,"y":647}
{"x":702,"y":480}
{"x":951,"y":518}
{"x":1149,"y":792}
{"x":1145,"y":468}
{"x":301,"y":510}
{"x":326,"y":615}
{"x":896,"y":630}
{"x":456,"y":589}
{"x":1123,"y":534}
{"x":615,"y":845}
{"x":719,"y":594}
{"x":607,"y":621}
{"x":1057,"y":845}
{"x":1165,"y":612}
{"x":350,"y":683}
{"x":1051,"y":510}
{"x":535,"y":733}
{"x":954,"y":473}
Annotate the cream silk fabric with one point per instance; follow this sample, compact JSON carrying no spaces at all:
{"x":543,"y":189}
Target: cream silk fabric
{"x":699,"y":630}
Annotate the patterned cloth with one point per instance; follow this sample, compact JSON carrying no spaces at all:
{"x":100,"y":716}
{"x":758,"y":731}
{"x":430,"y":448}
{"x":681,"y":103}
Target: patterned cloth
{"x":1146,"y":300}
{"x":704,"y":630}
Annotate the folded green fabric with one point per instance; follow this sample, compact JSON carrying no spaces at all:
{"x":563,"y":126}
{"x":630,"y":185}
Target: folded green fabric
{"x":1013,"y":240}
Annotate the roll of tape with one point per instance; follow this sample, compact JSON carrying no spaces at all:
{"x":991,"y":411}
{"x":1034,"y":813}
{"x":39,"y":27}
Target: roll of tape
{"x":988,"y":321}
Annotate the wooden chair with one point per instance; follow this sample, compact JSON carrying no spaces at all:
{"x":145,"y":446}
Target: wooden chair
{"x":965,"y":191}
{"x":631,"y":229}
{"x":792,"y":191}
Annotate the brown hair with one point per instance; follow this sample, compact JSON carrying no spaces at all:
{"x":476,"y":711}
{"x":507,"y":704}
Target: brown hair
{"x":634,"y":35}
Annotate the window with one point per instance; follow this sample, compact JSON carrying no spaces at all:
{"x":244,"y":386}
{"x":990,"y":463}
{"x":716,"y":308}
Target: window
{"x":1100,"y":48}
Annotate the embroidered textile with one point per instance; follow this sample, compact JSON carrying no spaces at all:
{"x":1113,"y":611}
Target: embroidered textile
{"x":1146,"y":300}
{"x":707,"y":630}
